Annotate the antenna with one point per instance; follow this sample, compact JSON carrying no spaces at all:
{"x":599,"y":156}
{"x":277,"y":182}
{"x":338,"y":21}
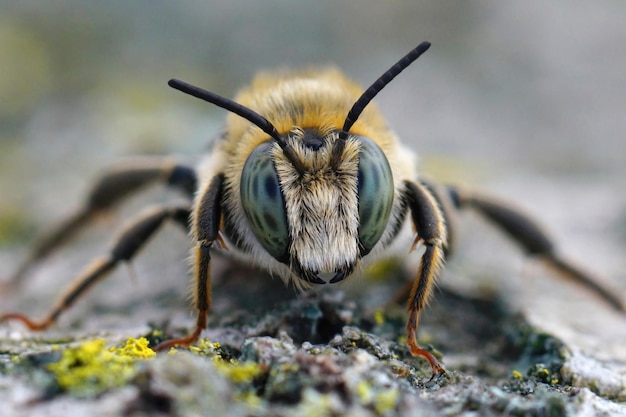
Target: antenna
{"x":370,"y":93}
{"x":242,"y":111}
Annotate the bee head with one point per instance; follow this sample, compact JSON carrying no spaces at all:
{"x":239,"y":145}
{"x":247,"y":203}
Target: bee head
{"x":317,"y":199}
{"x":322,"y":220}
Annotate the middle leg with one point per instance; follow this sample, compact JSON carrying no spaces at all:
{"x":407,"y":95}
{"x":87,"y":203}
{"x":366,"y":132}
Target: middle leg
{"x":118,"y":182}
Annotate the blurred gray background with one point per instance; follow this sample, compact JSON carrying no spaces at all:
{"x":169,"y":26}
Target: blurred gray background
{"x":526,"y":99}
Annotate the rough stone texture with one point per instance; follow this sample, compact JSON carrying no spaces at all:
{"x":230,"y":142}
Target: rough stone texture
{"x":323,"y":354}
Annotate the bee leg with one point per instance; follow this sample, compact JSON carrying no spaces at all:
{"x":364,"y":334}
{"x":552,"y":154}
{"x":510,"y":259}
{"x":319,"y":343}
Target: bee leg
{"x":205,"y":225}
{"x":124,"y":249}
{"x":448,"y":211}
{"x":431,"y":231}
{"x":532,"y":238}
{"x":114,"y":185}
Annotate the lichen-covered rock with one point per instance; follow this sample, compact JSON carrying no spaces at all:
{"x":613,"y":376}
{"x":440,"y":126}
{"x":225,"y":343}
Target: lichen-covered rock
{"x":355,"y":364}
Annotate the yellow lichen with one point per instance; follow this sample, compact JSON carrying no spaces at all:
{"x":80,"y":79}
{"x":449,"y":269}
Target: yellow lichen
{"x":382,"y":400}
{"x":517,"y":374}
{"x":249,"y":398}
{"x":91,"y":367}
{"x":205,"y":347}
{"x":238,"y":372}
{"x":379,"y":316}
{"x":386,"y":400}
{"x":364,"y":391}
{"x":135,"y":348}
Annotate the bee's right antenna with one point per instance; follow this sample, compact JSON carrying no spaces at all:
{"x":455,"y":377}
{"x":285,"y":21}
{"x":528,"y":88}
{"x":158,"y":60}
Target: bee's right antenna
{"x":370,"y":93}
{"x":243,"y":111}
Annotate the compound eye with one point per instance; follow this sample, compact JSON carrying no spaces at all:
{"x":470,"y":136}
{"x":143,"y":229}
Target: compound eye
{"x":375,"y":187}
{"x":263,"y":202}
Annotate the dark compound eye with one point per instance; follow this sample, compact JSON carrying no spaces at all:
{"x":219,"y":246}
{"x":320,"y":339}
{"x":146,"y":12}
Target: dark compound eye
{"x":375,"y":186}
{"x":263,"y":202}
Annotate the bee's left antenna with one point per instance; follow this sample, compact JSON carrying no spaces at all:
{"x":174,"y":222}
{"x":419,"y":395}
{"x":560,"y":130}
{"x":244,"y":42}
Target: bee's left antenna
{"x":370,"y":93}
{"x":243,"y":111}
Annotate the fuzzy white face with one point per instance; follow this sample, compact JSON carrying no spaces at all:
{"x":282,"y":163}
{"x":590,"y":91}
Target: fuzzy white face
{"x":321,"y":221}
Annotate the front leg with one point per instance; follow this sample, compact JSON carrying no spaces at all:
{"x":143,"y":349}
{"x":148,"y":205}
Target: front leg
{"x":532,"y":238}
{"x":205,"y":228}
{"x":431,"y":231}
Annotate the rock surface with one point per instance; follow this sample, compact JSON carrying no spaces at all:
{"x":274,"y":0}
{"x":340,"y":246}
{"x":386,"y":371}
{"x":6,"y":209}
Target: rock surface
{"x":318,"y":354}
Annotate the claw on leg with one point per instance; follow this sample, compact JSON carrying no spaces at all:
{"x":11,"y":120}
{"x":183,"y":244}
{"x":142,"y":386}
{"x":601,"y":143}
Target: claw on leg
{"x":188,"y":340}
{"x":30,"y":324}
{"x":416,"y":350}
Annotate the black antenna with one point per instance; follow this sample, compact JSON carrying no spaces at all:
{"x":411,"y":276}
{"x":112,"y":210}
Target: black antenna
{"x":243,"y":111}
{"x":371,"y":92}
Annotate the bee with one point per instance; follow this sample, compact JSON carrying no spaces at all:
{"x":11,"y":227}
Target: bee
{"x":308,"y":183}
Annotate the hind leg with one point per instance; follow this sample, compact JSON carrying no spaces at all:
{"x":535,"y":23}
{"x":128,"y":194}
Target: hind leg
{"x":124,"y":249}
{"x":527,"y":233}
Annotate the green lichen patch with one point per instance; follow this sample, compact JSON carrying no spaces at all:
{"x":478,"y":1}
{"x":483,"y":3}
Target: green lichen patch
{"x":537,"y":354}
